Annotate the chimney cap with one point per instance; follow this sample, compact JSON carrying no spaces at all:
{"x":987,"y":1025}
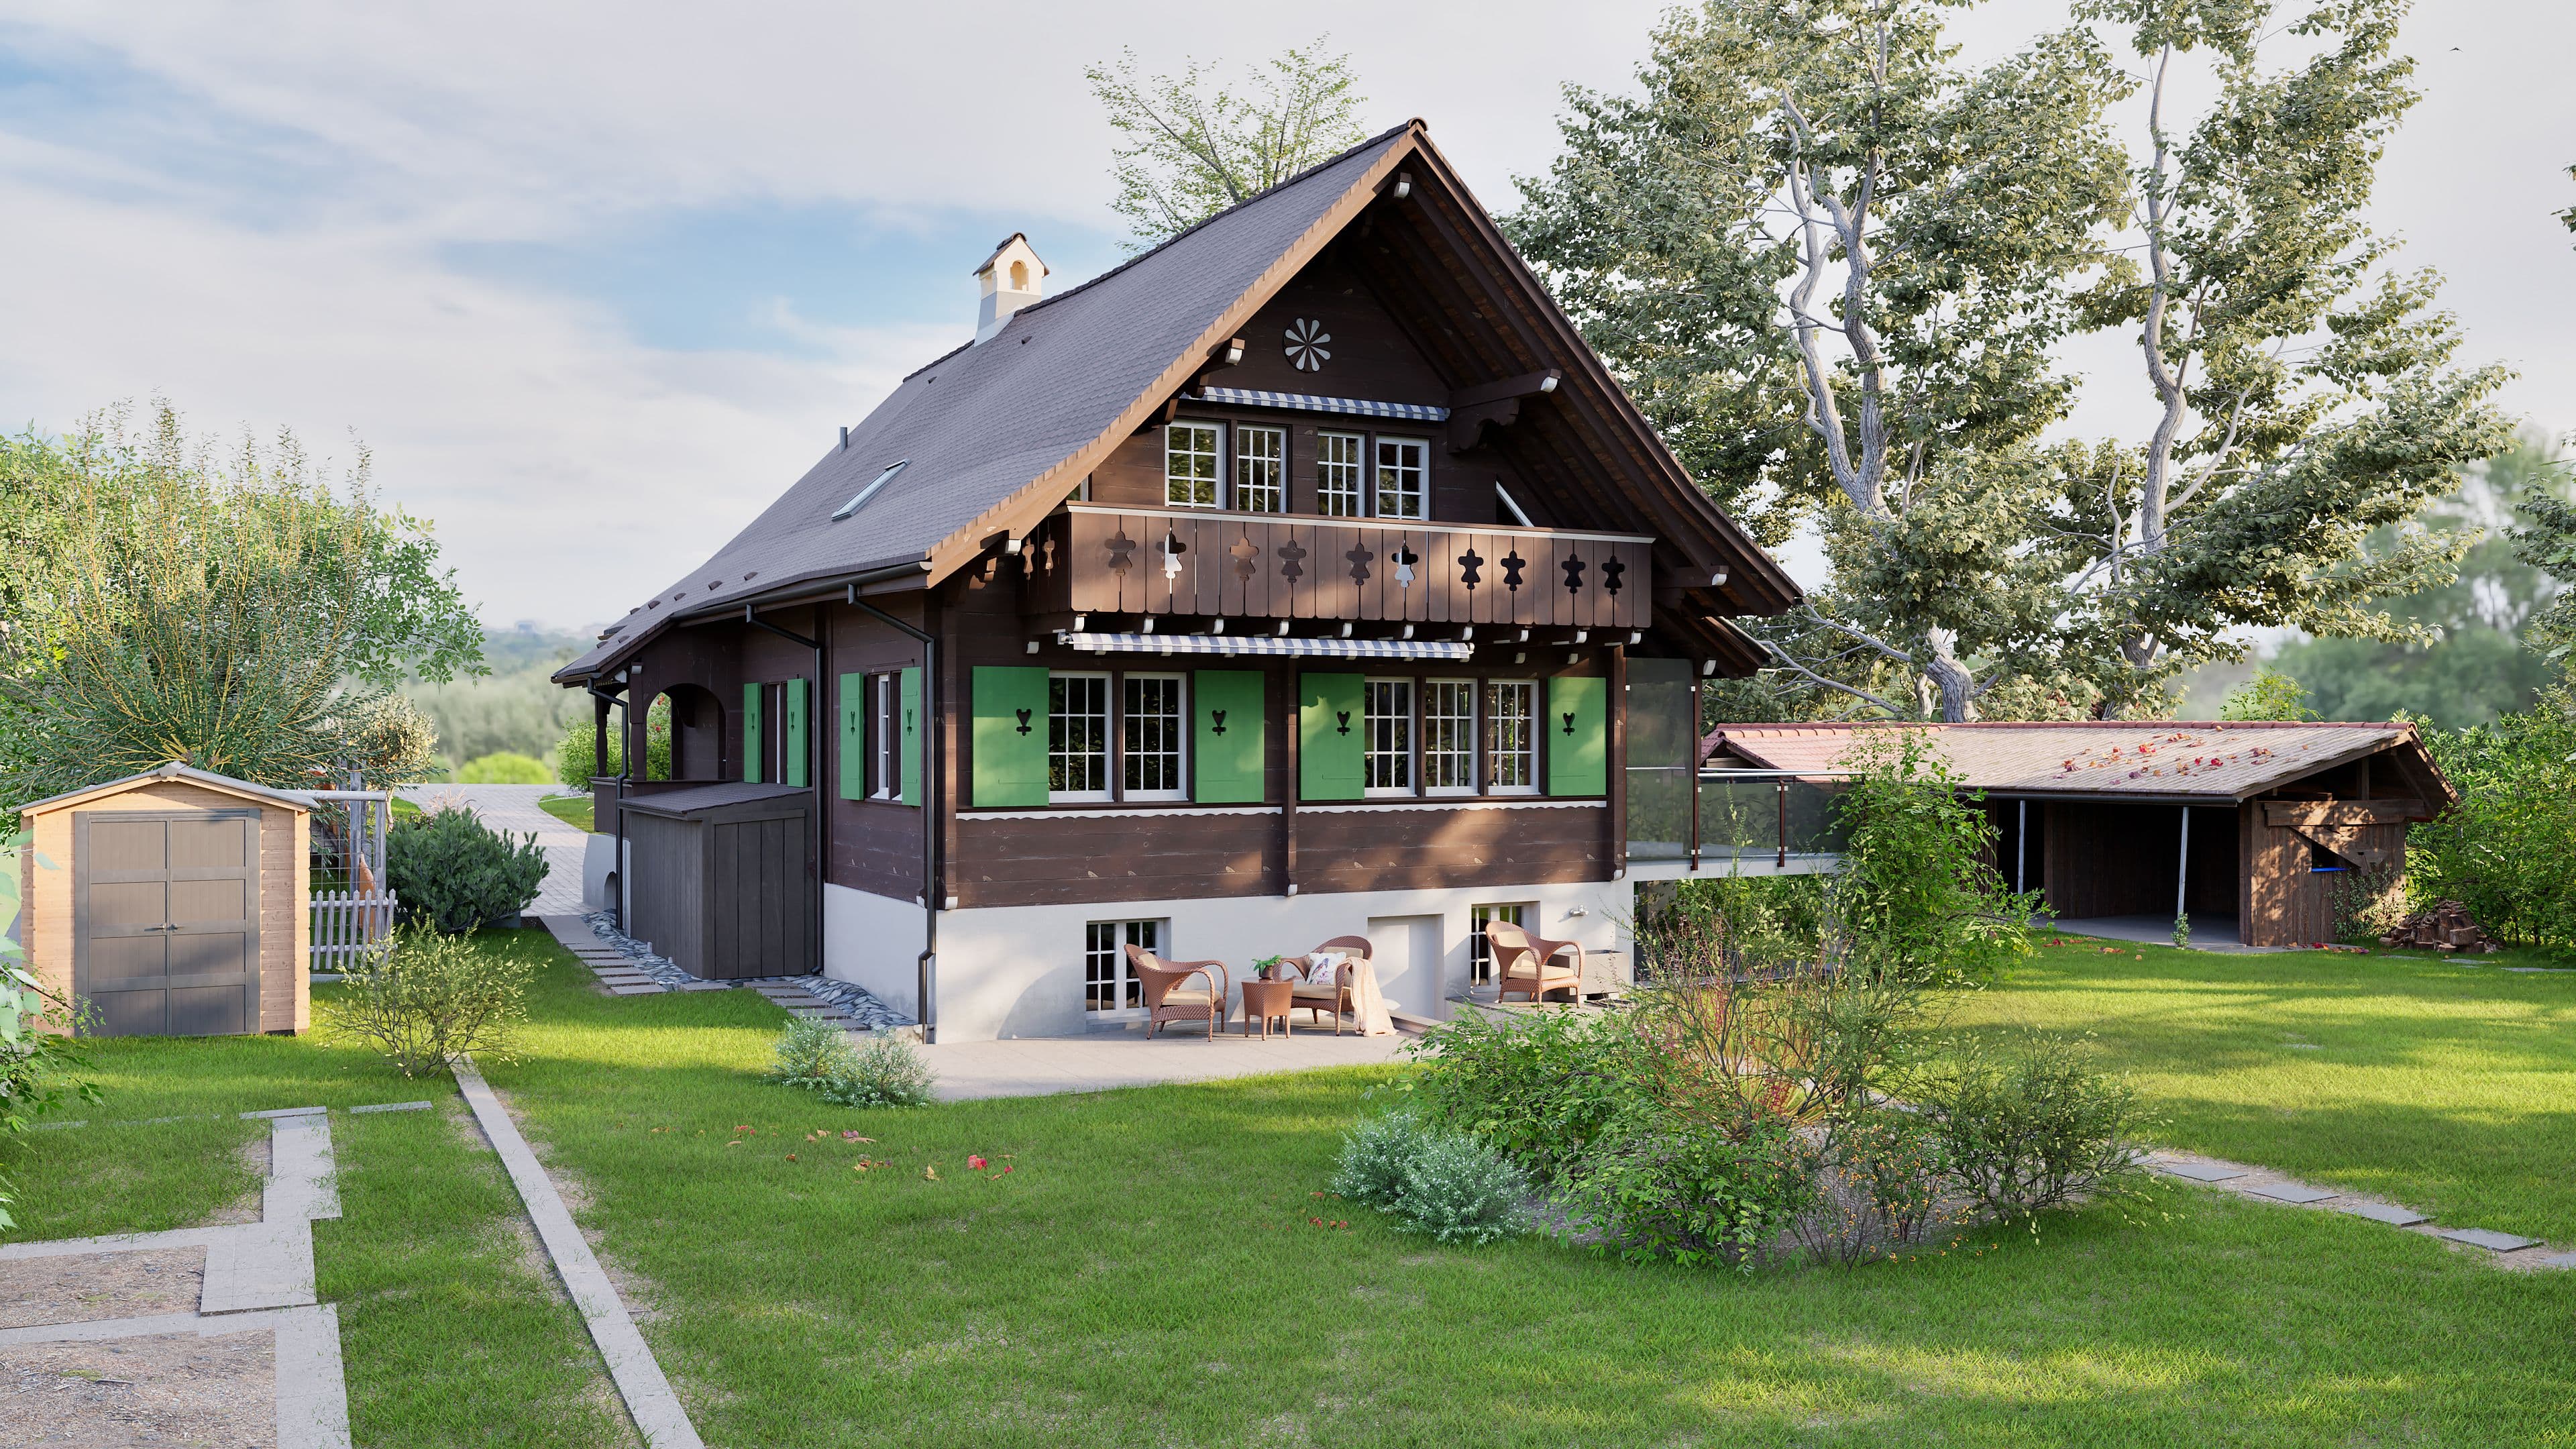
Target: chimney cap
{"x":1005,"y":245}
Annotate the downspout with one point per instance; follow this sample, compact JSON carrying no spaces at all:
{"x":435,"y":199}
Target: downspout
{"x":926,"y":965}
{"x":625,"y":753}
{"x":814,"y":766}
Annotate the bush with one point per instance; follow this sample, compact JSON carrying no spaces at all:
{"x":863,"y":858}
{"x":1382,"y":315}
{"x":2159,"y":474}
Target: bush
{"x":507,"y":767}
{"x":2025,"y":1131}
{"x":1915,"y":897}
{"x":1728,"y":926}
{"x":818,"y":1056}
{"x":448,"y":869}
{"x":1662,"y":1185}
{"x":1538,"y":1088}
{"x":1883,"y":1183}
{"x":1437,"y":1181}
{"x":576,"y":755}
{"x":432,"y":997}
{"x":36,"y":1062}
{"x":2503,"y":850}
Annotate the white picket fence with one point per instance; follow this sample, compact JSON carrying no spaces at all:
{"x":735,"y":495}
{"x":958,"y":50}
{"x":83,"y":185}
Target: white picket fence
{"x":348,"y":926}
{"x":349,"y":844}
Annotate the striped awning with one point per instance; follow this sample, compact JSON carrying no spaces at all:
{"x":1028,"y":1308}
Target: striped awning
{"x":1445,"y":650}
{"x":1308,"y":403}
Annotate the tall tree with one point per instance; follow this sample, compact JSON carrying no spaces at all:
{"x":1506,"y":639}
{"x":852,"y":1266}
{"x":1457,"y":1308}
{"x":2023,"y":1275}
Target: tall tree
{"x":238,"y":612}
{"x":1835,"y":266}
{"x":1192,"y":145}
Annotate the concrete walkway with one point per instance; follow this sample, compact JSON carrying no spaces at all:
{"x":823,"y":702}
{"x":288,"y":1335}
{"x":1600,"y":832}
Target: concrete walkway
{"x":104,"y":1351}
{"x":2262,"y":1184}
{"x":1041,"y":1066}
{"x":514,"y":808}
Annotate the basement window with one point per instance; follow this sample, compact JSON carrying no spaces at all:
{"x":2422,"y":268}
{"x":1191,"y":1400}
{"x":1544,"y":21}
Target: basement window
{"x":860,"y":499}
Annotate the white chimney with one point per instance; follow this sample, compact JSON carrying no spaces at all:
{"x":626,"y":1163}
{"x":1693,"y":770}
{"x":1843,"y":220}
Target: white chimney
{"x":1012,"y":277}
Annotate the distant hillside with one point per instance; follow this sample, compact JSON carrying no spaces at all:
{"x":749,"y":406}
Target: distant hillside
{"x":513,"y":707}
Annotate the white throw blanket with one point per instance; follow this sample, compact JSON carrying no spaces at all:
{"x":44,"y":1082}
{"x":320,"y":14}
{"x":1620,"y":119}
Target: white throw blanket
{"x":1368,"y":1004}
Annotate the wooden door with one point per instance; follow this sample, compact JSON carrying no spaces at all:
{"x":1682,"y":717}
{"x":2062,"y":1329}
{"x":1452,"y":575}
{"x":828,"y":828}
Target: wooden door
{"x":166,"y":921}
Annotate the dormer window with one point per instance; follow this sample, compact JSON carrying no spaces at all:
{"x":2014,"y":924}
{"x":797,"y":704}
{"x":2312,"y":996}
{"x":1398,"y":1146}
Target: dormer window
{"x":860,"y":499}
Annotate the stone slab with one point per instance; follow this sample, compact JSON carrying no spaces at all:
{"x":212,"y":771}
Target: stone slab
{"x":276,"y":1113}
{"x":2292,"y":1192}
{"x":300,"y":1184}
{"x":395,"y":1107}
{"x":259,"y":1265}
{"x":2382,"y":1212}
{"x":657,"y":1411}
{"x":635,"y":990}
{"x":2201,"y":1171}
{"x":2487,"y":1238}
{"x":2559,"y":1260}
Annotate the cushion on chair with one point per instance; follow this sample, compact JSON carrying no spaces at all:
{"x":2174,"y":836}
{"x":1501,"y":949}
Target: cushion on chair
{"x":1318,"y":990}
{"x":1188,"y":996}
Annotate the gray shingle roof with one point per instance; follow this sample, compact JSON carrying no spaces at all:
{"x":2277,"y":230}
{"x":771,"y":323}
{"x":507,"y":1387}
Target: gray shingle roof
{"x":982,"y":423}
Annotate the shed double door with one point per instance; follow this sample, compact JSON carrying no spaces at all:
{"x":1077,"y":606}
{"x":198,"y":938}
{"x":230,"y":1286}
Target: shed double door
{"x":167,"y":921}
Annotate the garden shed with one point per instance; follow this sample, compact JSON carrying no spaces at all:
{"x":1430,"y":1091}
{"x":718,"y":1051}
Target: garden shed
{"x":2261,"y":832}
{"x":722,"y":878}
{"x":173,"y":903}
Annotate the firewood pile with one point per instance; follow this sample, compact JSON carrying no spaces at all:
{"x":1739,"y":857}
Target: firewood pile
{"x":2445,"y":927}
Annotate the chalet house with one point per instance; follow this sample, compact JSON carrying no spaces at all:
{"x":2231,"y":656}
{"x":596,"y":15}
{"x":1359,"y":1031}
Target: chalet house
{"x":1305,"y":576}
{"x":2256,"y":830}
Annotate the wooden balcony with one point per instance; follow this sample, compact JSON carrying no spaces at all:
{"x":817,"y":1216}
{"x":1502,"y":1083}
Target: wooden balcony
{"x":1092,"y":559}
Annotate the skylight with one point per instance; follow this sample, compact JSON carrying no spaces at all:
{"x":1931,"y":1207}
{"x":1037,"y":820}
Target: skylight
{"x":860,"y":499}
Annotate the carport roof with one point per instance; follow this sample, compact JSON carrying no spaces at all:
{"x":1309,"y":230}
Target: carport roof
{"x":2220,"y":762}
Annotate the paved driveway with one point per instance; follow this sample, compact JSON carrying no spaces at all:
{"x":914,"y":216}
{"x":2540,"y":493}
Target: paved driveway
{"x":514,"y":808}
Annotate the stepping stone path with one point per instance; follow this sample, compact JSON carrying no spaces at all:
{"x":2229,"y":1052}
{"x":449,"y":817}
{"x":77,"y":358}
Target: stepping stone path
{"x":627,"y":968}
{"x":2505,"y":1250}
{"x":614,"y":968}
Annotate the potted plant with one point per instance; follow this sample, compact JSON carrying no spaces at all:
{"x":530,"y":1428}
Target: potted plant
{"x":1267,"y":967}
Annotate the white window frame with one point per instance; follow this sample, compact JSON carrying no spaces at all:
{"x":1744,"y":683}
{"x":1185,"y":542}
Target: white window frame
{"x":1104,"y":964}
{"x":1419,"y":495}
{"x":1215,"y":455}
{"x":885,"y":736}
{"x":1403,"y":723}
{"x":1355,"y":496}
{"x":1247,"y":494}
{"x":1480,"y":952}
{"x":1492,"y":721}
{"x":1178,"y":718}
{"x":1108,"y":736}
{"x":1466,"y":751}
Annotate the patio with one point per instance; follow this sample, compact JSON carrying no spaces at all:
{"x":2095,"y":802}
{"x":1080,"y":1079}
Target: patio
{"x":1042,"y":1066}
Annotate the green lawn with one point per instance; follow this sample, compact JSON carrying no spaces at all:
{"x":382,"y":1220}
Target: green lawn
{"x":572,"y":810}
{"x":2447,"y":1085}
{"x":1147,"y":1274}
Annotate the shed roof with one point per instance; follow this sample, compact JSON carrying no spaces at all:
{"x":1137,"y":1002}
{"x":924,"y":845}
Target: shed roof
{"x":2216,"y":761}
{"x":709,"y":797}
{"x":174,"y":770}
{"x":996,"y":433}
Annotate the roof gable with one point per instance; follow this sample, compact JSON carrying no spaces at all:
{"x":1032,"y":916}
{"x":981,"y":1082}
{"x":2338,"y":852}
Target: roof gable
{"x":174,"y":770}
{"x":995,"y":434}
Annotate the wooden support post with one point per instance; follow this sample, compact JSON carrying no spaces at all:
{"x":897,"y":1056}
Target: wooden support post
{"x":1690,"y":777}
{"x":2182,"y":881}
{"x":2021,"y":848}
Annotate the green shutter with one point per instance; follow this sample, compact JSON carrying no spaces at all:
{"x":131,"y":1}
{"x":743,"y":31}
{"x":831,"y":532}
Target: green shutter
{"x":1578,"y":735}
{"x":751,"y":734}
{"x":1330,"y":737}
{"x":1010,"y":706}
{"x":1230,"y":737}
{"x":854,"y":736}
{"x":794,"y":768}
{"x":908,"y":702}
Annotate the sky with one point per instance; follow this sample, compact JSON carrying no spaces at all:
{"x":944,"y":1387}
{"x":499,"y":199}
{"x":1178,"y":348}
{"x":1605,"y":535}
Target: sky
{"x":595,"y":282}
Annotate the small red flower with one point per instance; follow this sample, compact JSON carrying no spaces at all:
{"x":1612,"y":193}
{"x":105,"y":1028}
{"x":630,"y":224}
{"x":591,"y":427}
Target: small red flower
{"x":975,"y":1162}
{"x":1008,"y":1167}
{"x":791,"y":1157}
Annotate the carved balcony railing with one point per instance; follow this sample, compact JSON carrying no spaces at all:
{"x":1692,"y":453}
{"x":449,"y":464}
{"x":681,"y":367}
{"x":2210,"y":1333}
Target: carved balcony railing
{"x":1093,"y":559}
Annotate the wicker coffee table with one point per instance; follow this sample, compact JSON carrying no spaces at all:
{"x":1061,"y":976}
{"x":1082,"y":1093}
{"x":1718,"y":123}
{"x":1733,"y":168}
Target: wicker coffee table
{"x":1263,"y":1000}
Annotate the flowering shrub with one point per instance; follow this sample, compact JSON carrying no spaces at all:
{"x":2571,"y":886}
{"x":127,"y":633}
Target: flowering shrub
{"x":1665,"y":1185}
{"x":818,"y":1056}
{"x":2031,"y":1129}
{"x":1540,"y":1088}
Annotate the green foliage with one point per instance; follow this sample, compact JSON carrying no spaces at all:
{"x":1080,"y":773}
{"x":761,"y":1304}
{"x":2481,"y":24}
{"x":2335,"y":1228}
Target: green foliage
{"x":431,"y":998}
{"x":576,"y":754}
{"x":517,"y":706}
{"x":1661,"y":1184}
{"x":2504,"y":850}
{"x":1186,"y":153}
{"x":819,"y":1057}
{"x":242,"y":614}
{"x":1449,"y":1184}
{"x":1915,"y":897}
{"x":1725,"y":925}
{"x":2269,"y":695}
{"x":1539,"y":1088}
{"x":1934,"y":233}
{"x":2031,"y":1129}
{"x":504,"y":768}
{"x":453,"y":873}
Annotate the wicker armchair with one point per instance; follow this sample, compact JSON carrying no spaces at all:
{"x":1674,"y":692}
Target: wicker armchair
{"x":1334,"y":995}
{"x":1528,"y":964}
{"x":1166,"y":999}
